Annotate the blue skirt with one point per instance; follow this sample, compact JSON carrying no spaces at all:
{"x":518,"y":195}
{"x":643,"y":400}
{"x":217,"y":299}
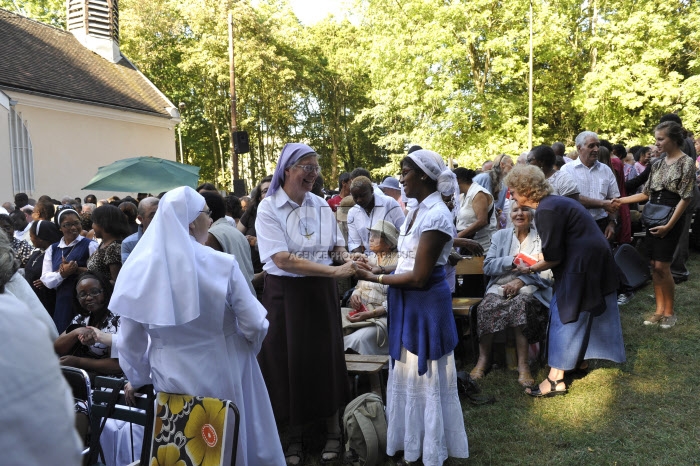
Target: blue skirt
{"x":590,"y":337}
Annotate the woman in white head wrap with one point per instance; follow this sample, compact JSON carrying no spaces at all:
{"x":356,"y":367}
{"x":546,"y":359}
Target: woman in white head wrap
{"x":423,"y":410}
{"x":302,"y":358}
{"x":204,"y":325}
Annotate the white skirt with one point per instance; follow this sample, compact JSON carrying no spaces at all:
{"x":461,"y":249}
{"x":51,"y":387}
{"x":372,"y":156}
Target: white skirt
{"x":424,"y":415}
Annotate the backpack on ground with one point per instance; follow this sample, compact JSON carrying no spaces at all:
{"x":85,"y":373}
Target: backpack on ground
{"x":364,"y":422}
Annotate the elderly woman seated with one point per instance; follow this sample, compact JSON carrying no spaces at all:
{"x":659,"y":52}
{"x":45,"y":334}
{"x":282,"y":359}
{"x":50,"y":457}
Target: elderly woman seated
{"x":364,"y":323}
{"x":513,"y":299}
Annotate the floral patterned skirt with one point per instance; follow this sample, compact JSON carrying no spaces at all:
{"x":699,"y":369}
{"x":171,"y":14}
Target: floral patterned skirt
{"x":496,"y":313}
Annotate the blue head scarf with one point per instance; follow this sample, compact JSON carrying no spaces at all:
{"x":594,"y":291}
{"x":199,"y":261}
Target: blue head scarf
{"x":291,"y":153}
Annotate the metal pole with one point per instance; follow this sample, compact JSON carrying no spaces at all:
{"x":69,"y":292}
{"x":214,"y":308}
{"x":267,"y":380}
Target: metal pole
{"x":179,"y":135}
{"x":232,"y":73}
{"x":529,"y":123}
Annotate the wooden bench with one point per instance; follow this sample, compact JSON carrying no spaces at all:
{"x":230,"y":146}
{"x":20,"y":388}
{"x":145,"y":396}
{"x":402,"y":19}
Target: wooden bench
{"x":472,"y":269}
{"x":369,"y":365}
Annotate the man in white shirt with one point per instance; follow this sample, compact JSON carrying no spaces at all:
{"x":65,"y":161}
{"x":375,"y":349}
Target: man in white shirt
{"x":596,"y":182}
{"x":369,"y":208}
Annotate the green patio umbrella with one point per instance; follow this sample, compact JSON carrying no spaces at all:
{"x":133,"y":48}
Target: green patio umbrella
{"x":143,"y":175}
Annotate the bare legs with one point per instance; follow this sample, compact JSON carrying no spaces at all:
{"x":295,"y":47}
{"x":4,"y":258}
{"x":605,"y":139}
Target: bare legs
{"x":485,"y":345}
{"x":664,"y":287}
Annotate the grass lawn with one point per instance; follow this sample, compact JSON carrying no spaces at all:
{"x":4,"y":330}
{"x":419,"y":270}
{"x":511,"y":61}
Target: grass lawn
{"x":643,"y":412}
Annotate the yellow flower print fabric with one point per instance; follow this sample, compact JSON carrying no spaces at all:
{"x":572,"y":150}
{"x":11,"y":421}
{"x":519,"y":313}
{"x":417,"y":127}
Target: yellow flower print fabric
{"x":189,"y":431}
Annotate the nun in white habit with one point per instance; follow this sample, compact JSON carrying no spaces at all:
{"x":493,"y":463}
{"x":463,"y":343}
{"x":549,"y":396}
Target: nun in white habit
{"x":205,"y":326}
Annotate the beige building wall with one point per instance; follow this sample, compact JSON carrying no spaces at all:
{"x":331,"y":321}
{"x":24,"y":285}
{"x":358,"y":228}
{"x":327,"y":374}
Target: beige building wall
{"x":71,"y":141}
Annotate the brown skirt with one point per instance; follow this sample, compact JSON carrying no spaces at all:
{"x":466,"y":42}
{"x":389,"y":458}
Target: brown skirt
{"x":302,"y":357}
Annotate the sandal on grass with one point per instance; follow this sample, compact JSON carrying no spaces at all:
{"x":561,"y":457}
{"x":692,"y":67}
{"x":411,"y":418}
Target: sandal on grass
{"x":334,"y":447}
{"x":294,"y":454}
{"x":537,"y":393}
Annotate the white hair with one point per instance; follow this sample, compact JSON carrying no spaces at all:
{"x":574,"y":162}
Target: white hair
{"x":581,"y":138}
{"x":147,"y":202}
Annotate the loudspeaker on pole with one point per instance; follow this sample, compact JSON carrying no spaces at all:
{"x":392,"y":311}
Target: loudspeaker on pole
{"x":241,"y":142}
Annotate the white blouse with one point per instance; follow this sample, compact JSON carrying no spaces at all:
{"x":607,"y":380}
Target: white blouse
{"x":50,"y":278}
{"x":310,"y":230}
{"x":431,"y":214}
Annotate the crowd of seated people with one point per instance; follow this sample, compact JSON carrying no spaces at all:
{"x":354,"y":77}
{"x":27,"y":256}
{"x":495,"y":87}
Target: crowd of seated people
{"x":293,"y":244}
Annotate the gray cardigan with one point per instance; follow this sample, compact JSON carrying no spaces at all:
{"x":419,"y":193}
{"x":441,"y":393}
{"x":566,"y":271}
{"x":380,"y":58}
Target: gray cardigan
{"x":499,"y":262}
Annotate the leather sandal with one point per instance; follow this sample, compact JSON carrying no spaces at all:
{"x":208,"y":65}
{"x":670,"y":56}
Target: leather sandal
{"x":331,"y":449}
{"x":294,"y":454}
{"x":537,"y":393}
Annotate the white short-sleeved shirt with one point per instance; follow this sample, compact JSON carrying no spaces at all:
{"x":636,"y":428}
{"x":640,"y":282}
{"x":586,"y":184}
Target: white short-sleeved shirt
{"x":359,"y":223}
{"x":563,"y":184}
{"x":431,"y":214}
{"x":309,"y":230}
{"x":597,"y":182}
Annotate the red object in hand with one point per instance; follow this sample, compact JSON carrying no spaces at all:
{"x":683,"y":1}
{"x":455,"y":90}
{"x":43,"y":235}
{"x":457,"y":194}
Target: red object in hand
{"x":526,"y":259}
{"x":362,"y":308}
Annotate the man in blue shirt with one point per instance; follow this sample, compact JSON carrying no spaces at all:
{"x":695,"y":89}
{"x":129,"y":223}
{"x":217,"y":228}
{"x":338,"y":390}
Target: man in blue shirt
{"x":146,"y":211}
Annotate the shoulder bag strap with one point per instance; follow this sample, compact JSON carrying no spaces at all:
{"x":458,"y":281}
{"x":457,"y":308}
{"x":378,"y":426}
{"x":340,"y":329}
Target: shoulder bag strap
{"x":370,"y":436}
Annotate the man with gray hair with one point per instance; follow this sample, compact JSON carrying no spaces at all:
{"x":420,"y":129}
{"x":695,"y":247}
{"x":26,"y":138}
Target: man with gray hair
{"x":596,"y":183}
{"x":369,"y":208}
{"x":145,"y":213}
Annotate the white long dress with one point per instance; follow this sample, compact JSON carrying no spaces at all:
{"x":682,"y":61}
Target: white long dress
{"x":424,"y":414}
{"x":213,"y":355}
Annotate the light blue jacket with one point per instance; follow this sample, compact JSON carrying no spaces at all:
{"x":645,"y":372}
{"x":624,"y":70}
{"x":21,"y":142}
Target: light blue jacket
{"x":499,"y":262}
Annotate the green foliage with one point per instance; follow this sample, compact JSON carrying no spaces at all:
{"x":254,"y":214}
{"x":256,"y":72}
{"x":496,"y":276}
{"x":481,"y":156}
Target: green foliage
{"x":450,"y":75}
{"x":47,"y":11}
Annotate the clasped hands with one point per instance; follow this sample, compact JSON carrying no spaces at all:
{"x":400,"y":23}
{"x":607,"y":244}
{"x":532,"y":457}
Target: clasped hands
{"x":511,"y":288}
{"x":66,"y":269}
{"x":354,"y":262}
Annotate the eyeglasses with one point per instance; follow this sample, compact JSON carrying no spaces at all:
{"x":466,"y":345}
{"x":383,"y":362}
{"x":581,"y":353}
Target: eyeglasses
{"x":71,"y":225}
{"x":404,"y":173}
{"x":310,"y":168}
{"x":208,"y":212}
{"x":95,"y":292}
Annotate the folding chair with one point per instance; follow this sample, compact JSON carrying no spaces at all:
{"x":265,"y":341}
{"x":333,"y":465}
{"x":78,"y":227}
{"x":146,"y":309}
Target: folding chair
{"x":79,"y":382}
{"x":192,"y":428}
{"x":108,"y":402}
{"x":469,"y":291}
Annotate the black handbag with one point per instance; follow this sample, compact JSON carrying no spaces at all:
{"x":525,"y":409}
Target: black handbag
{"x":656,"y":215}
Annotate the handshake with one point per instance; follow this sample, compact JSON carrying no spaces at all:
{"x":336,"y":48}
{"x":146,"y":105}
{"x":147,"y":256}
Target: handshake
{"x":613,"y":205}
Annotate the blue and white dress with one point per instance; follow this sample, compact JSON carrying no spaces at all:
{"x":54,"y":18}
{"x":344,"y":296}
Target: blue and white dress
{"x":424,"y":414}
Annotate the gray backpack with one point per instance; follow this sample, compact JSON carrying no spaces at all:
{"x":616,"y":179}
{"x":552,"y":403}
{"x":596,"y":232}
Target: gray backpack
{"x":364,"y":421}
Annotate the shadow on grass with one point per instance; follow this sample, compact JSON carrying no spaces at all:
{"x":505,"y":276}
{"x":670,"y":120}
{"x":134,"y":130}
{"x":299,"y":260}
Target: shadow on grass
{"x":644,"y":411}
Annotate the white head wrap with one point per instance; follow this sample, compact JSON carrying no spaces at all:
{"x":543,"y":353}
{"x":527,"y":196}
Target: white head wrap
{"x":433,"y":166}
{"x":168,"y":274}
